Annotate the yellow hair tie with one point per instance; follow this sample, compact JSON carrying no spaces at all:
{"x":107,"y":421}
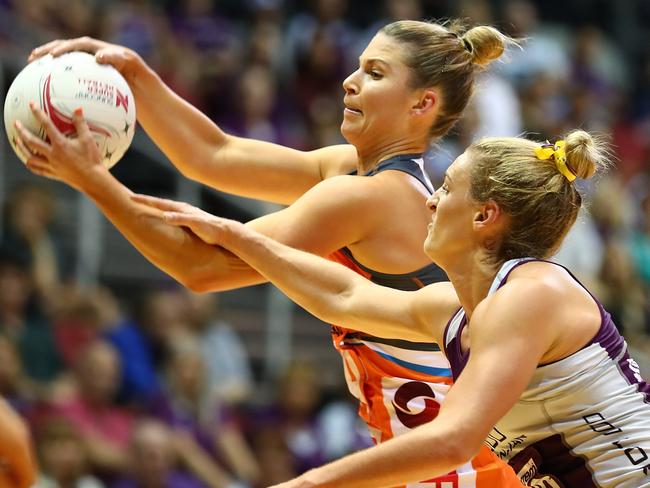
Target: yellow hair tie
{"x":557,"y":152}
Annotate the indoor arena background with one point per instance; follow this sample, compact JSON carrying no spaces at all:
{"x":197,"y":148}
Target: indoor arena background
{"x":243,"y":387}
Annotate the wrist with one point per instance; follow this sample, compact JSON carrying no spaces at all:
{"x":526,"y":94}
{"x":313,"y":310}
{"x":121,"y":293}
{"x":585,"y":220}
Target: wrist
{"x":140,"y":75}
{"x":234,"y":234}
{"x":93,"y":180}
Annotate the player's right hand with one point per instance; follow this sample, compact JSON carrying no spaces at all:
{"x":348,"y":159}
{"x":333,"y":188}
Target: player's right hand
{"x":125,"y":60}
{"x":209,"y":228}
{"x":72,"y":160}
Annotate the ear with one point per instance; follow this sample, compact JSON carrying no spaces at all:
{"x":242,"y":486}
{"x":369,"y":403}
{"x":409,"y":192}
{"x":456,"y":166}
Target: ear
{"x":488,"y":216}
{"x":427,"y":101}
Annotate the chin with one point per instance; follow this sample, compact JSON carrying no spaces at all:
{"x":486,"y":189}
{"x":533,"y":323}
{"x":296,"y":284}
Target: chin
{"x":346,"y":133}
{"x":350,"y":133}
{"x":429,"y":248}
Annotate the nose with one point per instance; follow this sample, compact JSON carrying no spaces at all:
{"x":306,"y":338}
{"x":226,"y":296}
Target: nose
{"x":432,"y":202}
{"x":350,"y":84}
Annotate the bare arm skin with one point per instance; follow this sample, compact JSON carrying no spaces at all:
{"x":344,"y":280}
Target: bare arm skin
{"x":199,"y":148}
{"x":511,"y":327}
{"x":320,"y":221}
{"x":328,"y":290}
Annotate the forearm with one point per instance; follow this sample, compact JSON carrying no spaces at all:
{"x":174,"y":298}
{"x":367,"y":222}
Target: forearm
{"x":201,"y":151}
{"x":322,"y":287}
{"x":186,"y":136}
{"x":174,"y":250}
{"x":421,"y":454}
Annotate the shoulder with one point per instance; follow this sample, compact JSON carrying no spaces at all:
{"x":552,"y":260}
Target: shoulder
{"x":345,"y":191}
{"x":533,"y":305}
{"x":335,"y":160}
{"x":541,"y":282}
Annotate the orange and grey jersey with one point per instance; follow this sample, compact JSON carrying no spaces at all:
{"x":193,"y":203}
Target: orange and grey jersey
{"x":582,"y":421}
{"x":400,"y":384}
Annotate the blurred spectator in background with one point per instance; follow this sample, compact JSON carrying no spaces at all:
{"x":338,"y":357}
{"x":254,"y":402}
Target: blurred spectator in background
{"x":62,"y":456}
{"x":23,"y":319}
{"x":215,"y":43}
{"x":227,"y":367}
{"x":285,"y":434}
{"x":29,"y":215}
{"x":391,"y":11}
{"x":258,"y":114}
{"x":153,"y":460}
{"x":201,"y":423}
{"x":640,"y":251}
{"x":145,"y":341}
{"x":620,"y":289}
{"x":14,"y":388}
{"x":81,"y":318}
{"x":586,"y":266}
{"x":494,"y":109}
{"x":265,"y":41}
{"x":545,"y":47}
{"x":105,"y":428}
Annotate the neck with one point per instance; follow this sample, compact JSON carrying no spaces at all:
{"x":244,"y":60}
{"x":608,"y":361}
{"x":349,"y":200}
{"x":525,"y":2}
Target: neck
{"x":369,"y":157}
{"x":472,"y":278}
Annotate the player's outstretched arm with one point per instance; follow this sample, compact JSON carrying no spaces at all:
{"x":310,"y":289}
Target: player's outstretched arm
{"x":320,"y":221}
{"x":199,"y":148}
{"x":507,"y":342}
{"x":179,"y":253}
{"x":328,"y":290}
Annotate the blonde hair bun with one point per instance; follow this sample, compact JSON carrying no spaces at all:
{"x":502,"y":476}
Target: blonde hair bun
{"x":484,"y":43}
{"x":585,"y":154}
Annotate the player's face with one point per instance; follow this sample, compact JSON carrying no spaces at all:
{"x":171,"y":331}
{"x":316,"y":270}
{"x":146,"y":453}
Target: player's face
{"x":451,"y":230}
{"x":378,"y":96}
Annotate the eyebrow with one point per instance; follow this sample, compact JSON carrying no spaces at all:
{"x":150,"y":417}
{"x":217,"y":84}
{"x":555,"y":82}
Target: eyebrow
{"x":373,"y":60}
{"x":447,"y":177}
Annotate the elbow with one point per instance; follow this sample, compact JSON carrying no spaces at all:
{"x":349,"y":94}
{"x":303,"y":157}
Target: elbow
{"x":205,"y":281}
{"x":197,"y":284}
{"x":195,"y":281}
{"x":462,"y":450}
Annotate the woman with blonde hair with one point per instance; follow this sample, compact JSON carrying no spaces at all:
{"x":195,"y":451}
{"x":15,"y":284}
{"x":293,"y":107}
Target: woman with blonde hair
{"x":542,"y":375}
{"x":361,"y":204}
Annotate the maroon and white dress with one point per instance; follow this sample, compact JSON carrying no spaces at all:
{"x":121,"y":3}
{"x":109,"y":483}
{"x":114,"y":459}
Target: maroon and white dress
{"x":583,"y":421}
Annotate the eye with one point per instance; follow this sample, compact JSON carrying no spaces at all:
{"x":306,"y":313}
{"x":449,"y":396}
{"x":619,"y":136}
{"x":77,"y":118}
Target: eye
{"x":444,"y":188}
{"x":375,"y":75}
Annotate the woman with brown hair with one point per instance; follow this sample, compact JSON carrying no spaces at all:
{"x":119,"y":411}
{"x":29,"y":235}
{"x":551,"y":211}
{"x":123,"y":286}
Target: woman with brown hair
{"x":361,"y":204}
{"x":542,"y":375}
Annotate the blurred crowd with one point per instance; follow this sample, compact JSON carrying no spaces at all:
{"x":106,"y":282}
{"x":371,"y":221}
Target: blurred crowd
{"x":162,"y":393}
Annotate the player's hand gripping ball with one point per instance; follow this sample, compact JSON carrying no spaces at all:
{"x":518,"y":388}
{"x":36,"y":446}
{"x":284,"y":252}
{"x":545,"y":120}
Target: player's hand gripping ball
{"x":63,"y":84}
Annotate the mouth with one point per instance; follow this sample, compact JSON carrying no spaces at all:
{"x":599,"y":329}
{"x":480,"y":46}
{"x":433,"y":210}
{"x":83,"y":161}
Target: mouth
{"x":352,"y":111}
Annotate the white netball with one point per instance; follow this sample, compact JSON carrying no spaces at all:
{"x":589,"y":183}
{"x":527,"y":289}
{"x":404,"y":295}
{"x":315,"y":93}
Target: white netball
{"x":61,"y":85}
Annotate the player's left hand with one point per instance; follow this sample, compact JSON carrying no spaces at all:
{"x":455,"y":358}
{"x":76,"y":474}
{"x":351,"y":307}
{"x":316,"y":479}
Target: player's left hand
{"x":72,"y":160}
{"x":209,"y":228}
